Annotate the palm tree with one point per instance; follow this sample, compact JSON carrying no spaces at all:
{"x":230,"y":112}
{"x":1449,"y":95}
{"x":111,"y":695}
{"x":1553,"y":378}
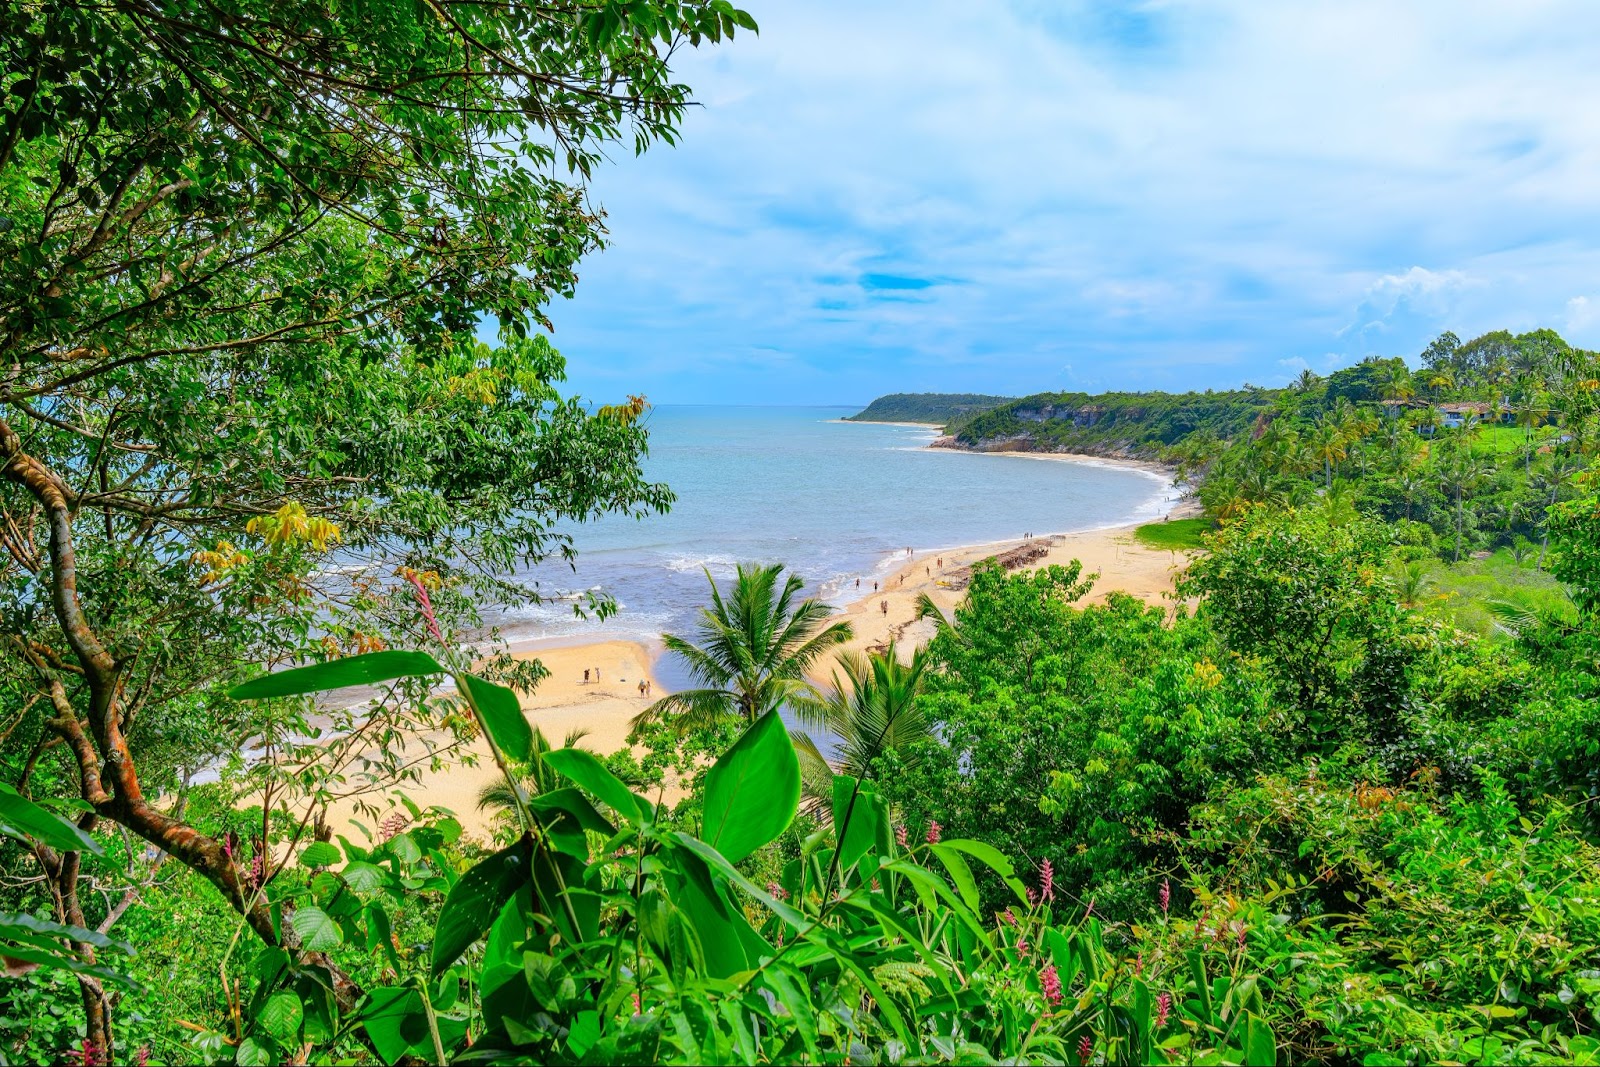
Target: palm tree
{"x":872,"y":711}
{"x":1328,"y":444}
{"x":1398,"y":387}
{"x":753,"y":651}
{"x":1412,"y":582}
{"x":1458,"y":477}
{"x":533,"y":778}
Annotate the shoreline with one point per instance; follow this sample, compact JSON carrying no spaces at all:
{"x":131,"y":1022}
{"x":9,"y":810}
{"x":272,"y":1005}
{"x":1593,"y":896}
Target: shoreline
{"x":563,"y":701}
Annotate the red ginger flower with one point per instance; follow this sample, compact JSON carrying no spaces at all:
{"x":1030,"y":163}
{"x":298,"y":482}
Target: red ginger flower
{"x":933,"y":832}
{"x":1164,"y":895}
{"x":1085,"y":1047}
{"x":1163,"y":1006}
{"x":1050,"y":982}
{"x":1047,"y":881}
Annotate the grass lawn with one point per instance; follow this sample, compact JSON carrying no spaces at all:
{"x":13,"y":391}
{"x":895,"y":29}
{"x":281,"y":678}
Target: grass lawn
{"x":1177,"y":535}
{"x":1457,"y":592}
{"x":1500,"y":442}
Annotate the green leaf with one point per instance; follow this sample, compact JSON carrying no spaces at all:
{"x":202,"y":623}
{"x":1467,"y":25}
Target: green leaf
{"x":364,"y":877}
{"x":1259,"y":1047}
{"x":752,"y":791}
{"x":397,"y":1024}
{"x":476,"y":899}
{"x":582,"y":767}
{"x":566,"y":814}
{"x":318,"y":932}
{"x":253,"y":1053}
{"x":44,"y":931}
{"x":960,"y":874}
{"x":21,"y":818}
{"x":320,"y":854}
{"x":501,"y":713}
{"x":857,"y":837}
{"x":280,"y":1016}
{"x":994,"y":859}
{"x":336,"y":674}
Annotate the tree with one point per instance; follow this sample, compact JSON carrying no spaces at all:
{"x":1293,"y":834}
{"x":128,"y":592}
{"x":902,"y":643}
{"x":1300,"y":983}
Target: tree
{"x":1460,"y":473}
{"x":1329,"y":443}
{"x":872,"y":718}
{"x":244,"y":249}
{"x":1305,"y":596}
{"x":754,"y":649}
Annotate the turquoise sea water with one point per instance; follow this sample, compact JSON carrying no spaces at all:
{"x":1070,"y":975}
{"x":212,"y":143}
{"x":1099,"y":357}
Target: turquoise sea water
{"x":833,"y":500}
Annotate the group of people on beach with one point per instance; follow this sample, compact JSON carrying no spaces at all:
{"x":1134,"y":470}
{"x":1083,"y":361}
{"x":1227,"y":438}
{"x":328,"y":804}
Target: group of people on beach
{"x":646,"y":686}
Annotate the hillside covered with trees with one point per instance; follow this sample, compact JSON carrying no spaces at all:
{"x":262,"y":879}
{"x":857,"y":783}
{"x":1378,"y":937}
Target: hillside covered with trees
{"x":936,"y":408}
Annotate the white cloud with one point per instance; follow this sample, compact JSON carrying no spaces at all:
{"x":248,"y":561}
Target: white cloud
{"x":1175,"y":194}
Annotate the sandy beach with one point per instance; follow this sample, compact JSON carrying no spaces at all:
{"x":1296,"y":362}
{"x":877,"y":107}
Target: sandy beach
{"x":565,"y":702}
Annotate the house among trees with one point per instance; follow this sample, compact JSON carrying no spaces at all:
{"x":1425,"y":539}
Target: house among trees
{"x":1456,"y":414}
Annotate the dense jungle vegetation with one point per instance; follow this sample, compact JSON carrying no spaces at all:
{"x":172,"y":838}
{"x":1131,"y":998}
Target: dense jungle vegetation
{"x":251,"y":452}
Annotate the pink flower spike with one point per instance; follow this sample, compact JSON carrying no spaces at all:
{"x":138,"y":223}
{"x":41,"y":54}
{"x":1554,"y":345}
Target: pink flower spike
{"x":1138,"y":965}
{"x":1022,"y":948}
{"x":1241,"y":935}
{"x":1164,"y":895}
{"x":1085,"y":1048}
{"x":1010,"y":919}
{"x":1033,"y":898}
{"x":1088,"y":912}
{"x":1163,"y":1006}
{"x":1050,"y":983}
{"x":900,"y":836}
{"x":1047,"y":881}
{"x":426,"y":604}
{"x":933,"y":832}
{"x":638,"y":1008}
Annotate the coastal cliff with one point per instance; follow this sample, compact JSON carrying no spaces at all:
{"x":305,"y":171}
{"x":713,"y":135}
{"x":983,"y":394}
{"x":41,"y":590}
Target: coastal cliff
{"x":1142,"y":426}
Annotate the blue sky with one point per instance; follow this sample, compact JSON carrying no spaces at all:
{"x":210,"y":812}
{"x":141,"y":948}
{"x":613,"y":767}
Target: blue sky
{"x":1007,"y":197}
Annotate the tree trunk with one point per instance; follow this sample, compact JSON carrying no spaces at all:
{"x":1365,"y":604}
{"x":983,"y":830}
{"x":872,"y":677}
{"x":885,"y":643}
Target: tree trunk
{"x":1458,"y":528}
{"x":61,"y":874}
{"x":108,"y":778}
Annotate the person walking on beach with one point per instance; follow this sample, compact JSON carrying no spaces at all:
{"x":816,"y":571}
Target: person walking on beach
{"x":874,"y":587}
{"x":586,"y":677}
{"x":642,"y":687}
{"x":858,"y":583}
{"x":885,"y":607}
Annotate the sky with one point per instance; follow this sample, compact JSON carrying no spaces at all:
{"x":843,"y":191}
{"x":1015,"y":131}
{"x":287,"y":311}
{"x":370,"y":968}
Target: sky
{"x":1012,"y":196}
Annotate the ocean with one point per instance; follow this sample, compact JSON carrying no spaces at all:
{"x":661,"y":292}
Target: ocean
{"x":832,"y":500}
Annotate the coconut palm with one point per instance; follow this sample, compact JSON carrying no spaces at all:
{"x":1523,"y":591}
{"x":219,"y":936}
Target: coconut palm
{"x":1458,"y":476}
{"x":1412,"y":582}
{"x":533,"y":778}
{"x":871,"y":711}
{"x":1329,"y":444}
{"x":752,"y":653}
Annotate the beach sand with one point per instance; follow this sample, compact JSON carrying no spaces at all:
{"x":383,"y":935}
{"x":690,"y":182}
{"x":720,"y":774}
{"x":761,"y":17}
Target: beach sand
{"x":1124,"y":565}
{"x":564,"y":702}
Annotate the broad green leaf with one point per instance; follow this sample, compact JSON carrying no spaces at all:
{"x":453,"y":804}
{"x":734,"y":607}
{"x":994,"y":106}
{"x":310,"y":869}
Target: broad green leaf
{"x":994,"y":859}
{"x":318,"y":932}
{"x":280,"y":1016}
{"x":253,"y":1052}
{"x":502,"y":717}
{"x":397,"y":1024}
{"x":336,"y":674}
{"x":41,"y":931}
{"x":475,"y":901}
{"x":1260,"y":1050}
{"x":868,"y":814}
{"x":320,"y":854}
{"x":364,"y":877}
{"x":752,"y":791}
{"x":566,"y":814}
{"x":21,"y":818}
{"x":583,"y":768}
{"x":960,"y":873}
